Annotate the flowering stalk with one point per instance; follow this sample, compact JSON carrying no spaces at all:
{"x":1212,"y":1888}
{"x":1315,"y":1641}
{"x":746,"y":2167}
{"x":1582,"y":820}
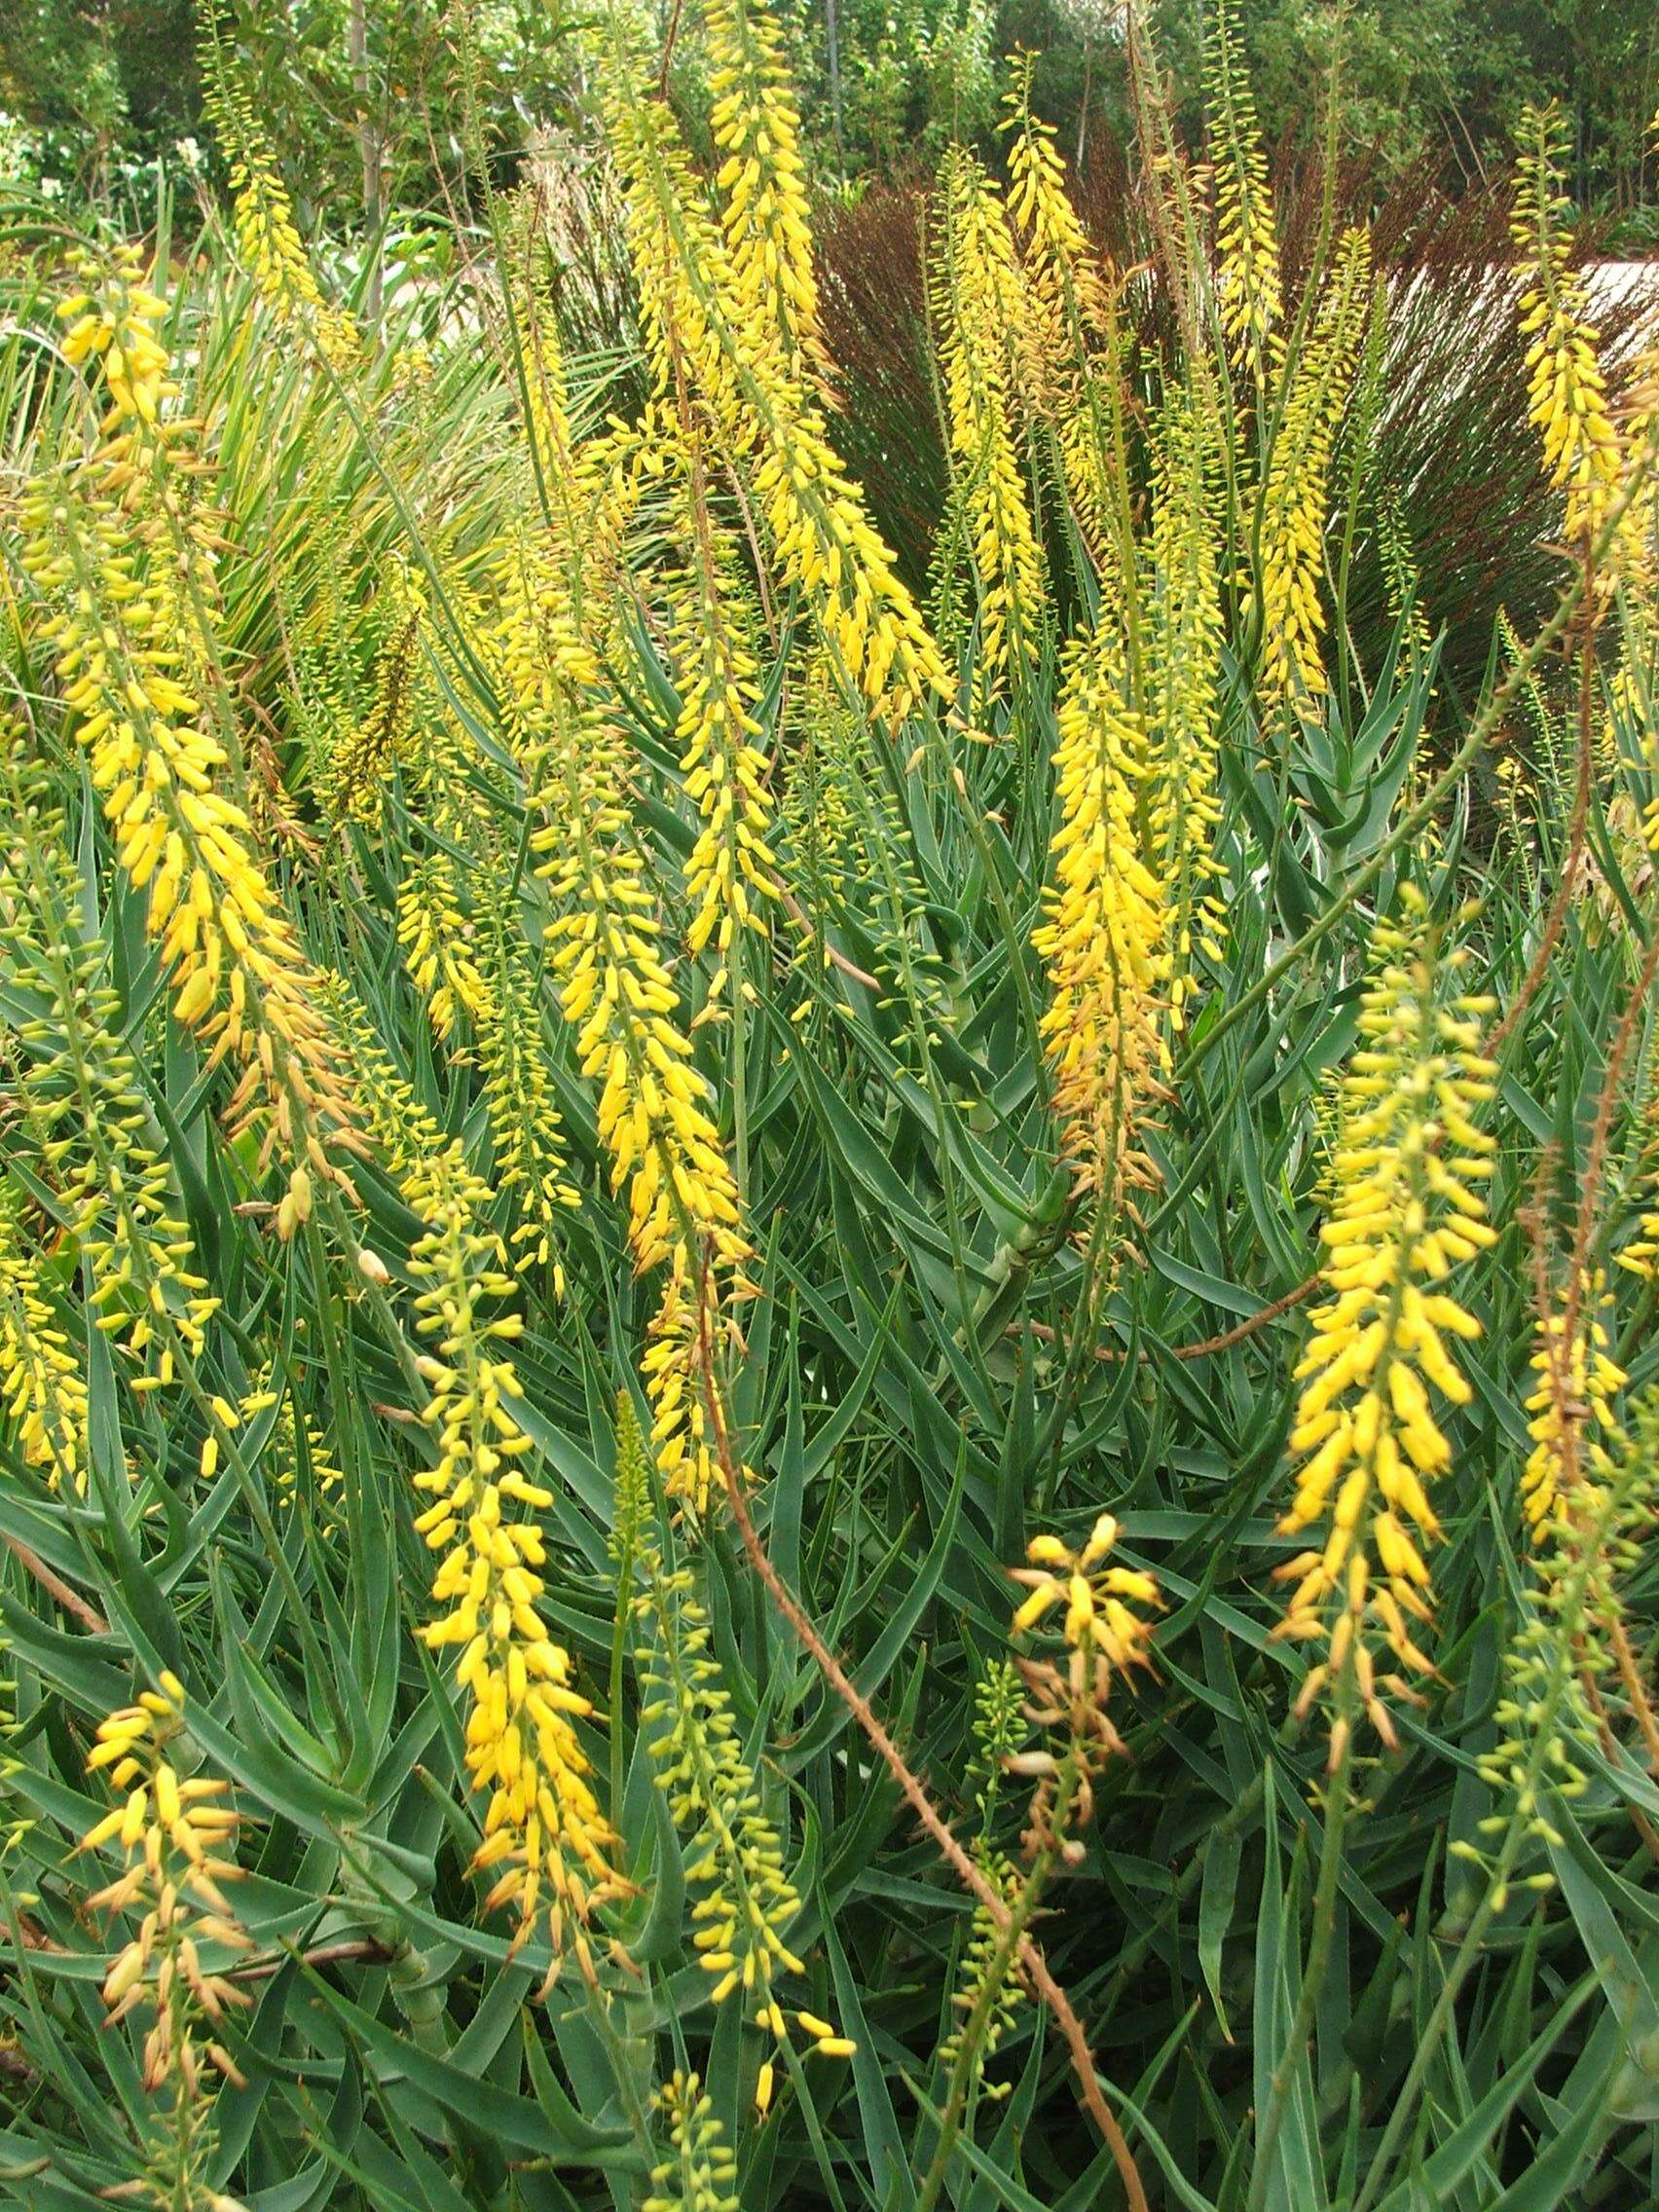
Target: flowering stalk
{"x":1075,"y":345}
{"x":1570,"y":1409}
{"x":1295,"y":496}
{"x":1246,"y":236}
{"x":746,"y":1902}
{"x":266,"y":235}
{"x":732,"y":873}
{"x":83,"y":1100}
{"x":544,"y":1830}
{"x":763,"y":183}
{"x":820,"y":533}
{"x":980,"y":309}
{"x":654,"y":1115}
{"x":1406,"y":1213}
{"x":177,"y":1835}
{"x":120,"y":634}
{"x":1185,"y":635}
{"x":1566,"y":391}
{"x":42,"y":1388}
{"x":1104,"y":1638}
{"x":700,"y":2174}
{"x":1104,"y":938}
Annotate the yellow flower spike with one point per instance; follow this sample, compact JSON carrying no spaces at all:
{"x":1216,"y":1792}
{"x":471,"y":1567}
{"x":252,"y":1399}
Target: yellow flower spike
{"x":266,"y":237}
{"x":981,"y":310}
{"x":544,"y":1827}
{"x":171,"y":1885}
{"x":43,"y":1393}
{"x":1092,"y":1593}
{"x":1573,"y":1423}
{"x":1183,"y":669}
{"x":1103,"y":938}
{"x":1366,"y":1417}
{"x":701,"y":2174}
{"x":745,"y":1901}
{"x":616,"y":994}
{"x":127,"y":601}
{"x":762,"y":181}
{"x":1295,"y":496}
{"x":696,"y":303}
{"x":1567,"y":389}
{"x":1246,"y":235}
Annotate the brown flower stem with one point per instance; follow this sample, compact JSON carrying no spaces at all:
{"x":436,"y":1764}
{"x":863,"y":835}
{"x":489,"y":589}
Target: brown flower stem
{"x":365,"y":1950}
{"x":973,"y":2029}
{"x":1031,"y":1961}
{"x":1634,"y":1689}
{"x":1224,"y":1343}
{"x":792,"y":908}
{"x":1610,"y":1749}
{"x":70,"y":1599}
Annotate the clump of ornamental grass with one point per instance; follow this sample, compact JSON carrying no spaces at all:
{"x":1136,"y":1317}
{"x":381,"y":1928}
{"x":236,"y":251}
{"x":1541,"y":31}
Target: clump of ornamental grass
{"x":601,"y":1109}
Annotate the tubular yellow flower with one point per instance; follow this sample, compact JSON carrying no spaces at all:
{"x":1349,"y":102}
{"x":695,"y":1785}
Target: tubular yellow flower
{"x":41,"y":1390}
{"x":406,"y":1135}
{"x":544,"y":1830}
{"x":176,"y":1834}
{"x":1246,"y":236}
{"x":616,"y":994}
{"x":1183,"y":662}
{"x":724,"y":768}
{"x":113,"y":326}
{"x":1406,"y":1213}
{"x":544,"y":1827}
{"x":369,"y":745}
{"x":582,"y":488}
{"x":980,"y":309}
{"x":1566,"y":391}
{"x":119,"y":635}
{"x":1065,"y":272}
{"x":284,"y":1446}
{"x":83,"y":1101}
{"x":762,"y":181}
{"x":820,"y":533}
{"x":1099,"y":1625}
{"x":266,"y":235}
{"x":655,"y":1111}
{"x":1073,"y":347}
{"x":1572,"y":1410}
{"x":1295,"y":496}
{"x":1106,"y":1634}
{"x":701,"y":2175}
{"x":1642,"y":1255}
{"x":746,"y":1902}
{"x":518,"y":1093}
{"x":435,"y":934}
{"x":1104,"y":941}
{"x":1400,"y":574}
